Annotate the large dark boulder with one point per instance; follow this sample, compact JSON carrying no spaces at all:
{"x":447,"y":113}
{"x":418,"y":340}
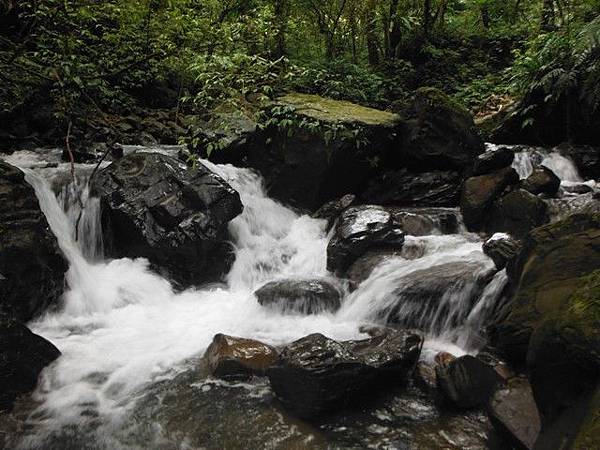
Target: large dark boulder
{"x":467,"y":381}
{"x":362,"y":228}
{"x":479,"y":193}
{"x":542,"y":181}
{"x":438,"y":134}
{"x":514,"y":414}
{"x":313,"y":149}
{"x":302,"y":296}
{"x":31,"y":264}
{"x":517,"y":213}
{"x":403,"y":188}
{"x":549,"y":270}
{"x":493,"y":160}
{"x":230,"y":357}
{"x":563,"y":357}
{"x":23,"y":355}
{"x":153,"y":206}
{"x":425,"y":299}
{"x":315,"y":374}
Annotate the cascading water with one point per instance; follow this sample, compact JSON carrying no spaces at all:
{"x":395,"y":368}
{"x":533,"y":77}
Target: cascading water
{"x":122,"y":327}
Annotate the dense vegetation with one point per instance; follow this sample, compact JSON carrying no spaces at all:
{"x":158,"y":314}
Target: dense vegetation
{"x":101,"y":57}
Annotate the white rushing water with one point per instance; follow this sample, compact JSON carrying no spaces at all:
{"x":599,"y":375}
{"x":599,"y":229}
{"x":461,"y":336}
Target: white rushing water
{"x":121,"y":326}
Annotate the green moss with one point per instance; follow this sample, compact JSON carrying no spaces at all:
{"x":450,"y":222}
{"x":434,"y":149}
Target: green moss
{"x":588,"y":436}
{"x":337,"y":111}
{"x":439,"y":100}
{"x":584,"y":310}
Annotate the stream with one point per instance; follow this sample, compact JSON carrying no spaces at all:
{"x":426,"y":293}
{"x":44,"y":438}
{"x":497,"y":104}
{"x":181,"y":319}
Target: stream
{"x":131,"y":377}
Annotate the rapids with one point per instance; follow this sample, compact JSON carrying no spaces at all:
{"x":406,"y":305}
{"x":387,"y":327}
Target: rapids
{"x":123,"y":329}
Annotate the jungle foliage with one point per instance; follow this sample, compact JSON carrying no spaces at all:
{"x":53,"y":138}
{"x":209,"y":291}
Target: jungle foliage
{"x":230,"y":53}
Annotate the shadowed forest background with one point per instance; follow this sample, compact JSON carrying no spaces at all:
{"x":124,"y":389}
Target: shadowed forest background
{"x":80,"y":67}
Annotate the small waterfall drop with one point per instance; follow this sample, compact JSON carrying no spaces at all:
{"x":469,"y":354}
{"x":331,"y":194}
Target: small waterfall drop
{"x":122,"y":327}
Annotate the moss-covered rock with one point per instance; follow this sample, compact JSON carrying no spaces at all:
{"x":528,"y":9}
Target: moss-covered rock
{"x":438,"y":133}
{"x":550,"y":269}
{"x":312,"y":149}
{"x":564,"y":352}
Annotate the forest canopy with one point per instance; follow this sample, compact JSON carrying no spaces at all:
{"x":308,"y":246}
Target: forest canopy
{"x":207,"y":54}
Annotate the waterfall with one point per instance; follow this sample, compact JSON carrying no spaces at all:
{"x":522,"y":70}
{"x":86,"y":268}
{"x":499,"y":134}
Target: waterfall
{"x":121,"y":326}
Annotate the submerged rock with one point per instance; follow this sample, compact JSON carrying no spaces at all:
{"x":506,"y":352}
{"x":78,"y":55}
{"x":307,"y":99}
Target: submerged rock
{"x":542,"y":181}
{"x":438,"y":134}
{"x":480,"y":192}
{"x":502,"y":249}
{"x":403,"y":188}
{"x":493,"y":160}
{"x":302,"y":296}
{"x":467,"y":381}
{"x":514,"y":414}
{"x":427,"y":299}
{"x":154,"y":207}
{"x":31,"y":264}
{"x":23,"y":355}
{"x":231,"y":357}
{"x":315,"y":374}
{"x":362,"y":228}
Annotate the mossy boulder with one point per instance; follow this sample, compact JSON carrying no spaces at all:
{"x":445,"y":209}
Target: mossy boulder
{"x":438,"y":134}
{"x":312,"y":149}
{"x":564,"y":352}
{"x":545,"y":277}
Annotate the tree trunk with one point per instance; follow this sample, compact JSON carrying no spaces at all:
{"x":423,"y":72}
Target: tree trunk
{"x":281,"y":18}
{"x":395,"y":29}
{"x":427,"y":18}
{"x":548,"y":15}
{"x":371,"y":33}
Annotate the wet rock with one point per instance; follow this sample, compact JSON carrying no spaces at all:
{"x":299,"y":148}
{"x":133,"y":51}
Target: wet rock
{"x":443,"y":359}
{"x":225,"y":139}
{"x":31,"y":263}
{"x":425,"y":377}
{"x":517,"y":213}
{"x":315,"y":374}
{"x":467,"y":382}
{"x":550,"y":269}
{"x":362,"y":228}
{"x":494,"y":160}
{"x":502,"y":249}
{"x":403,"y":188}
{"x":479,"y":193}
{"x":577,"y":189}
{"x":514,"y":414}
{"x":23,"y":355}
{"x":542,"y":181}
{"x":585,"y":157}
{"x":231,"y":357}
{"x":154,"y":207}
{"x":427,"y":221}
{"x":362,"y":268}
{"x":331,"y":210}
{"x":303,"y":166}
{"x":439,"y":134}
{"x":425,"y":299}
{"x":302,"y":296}
{"x":563,"y":357}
